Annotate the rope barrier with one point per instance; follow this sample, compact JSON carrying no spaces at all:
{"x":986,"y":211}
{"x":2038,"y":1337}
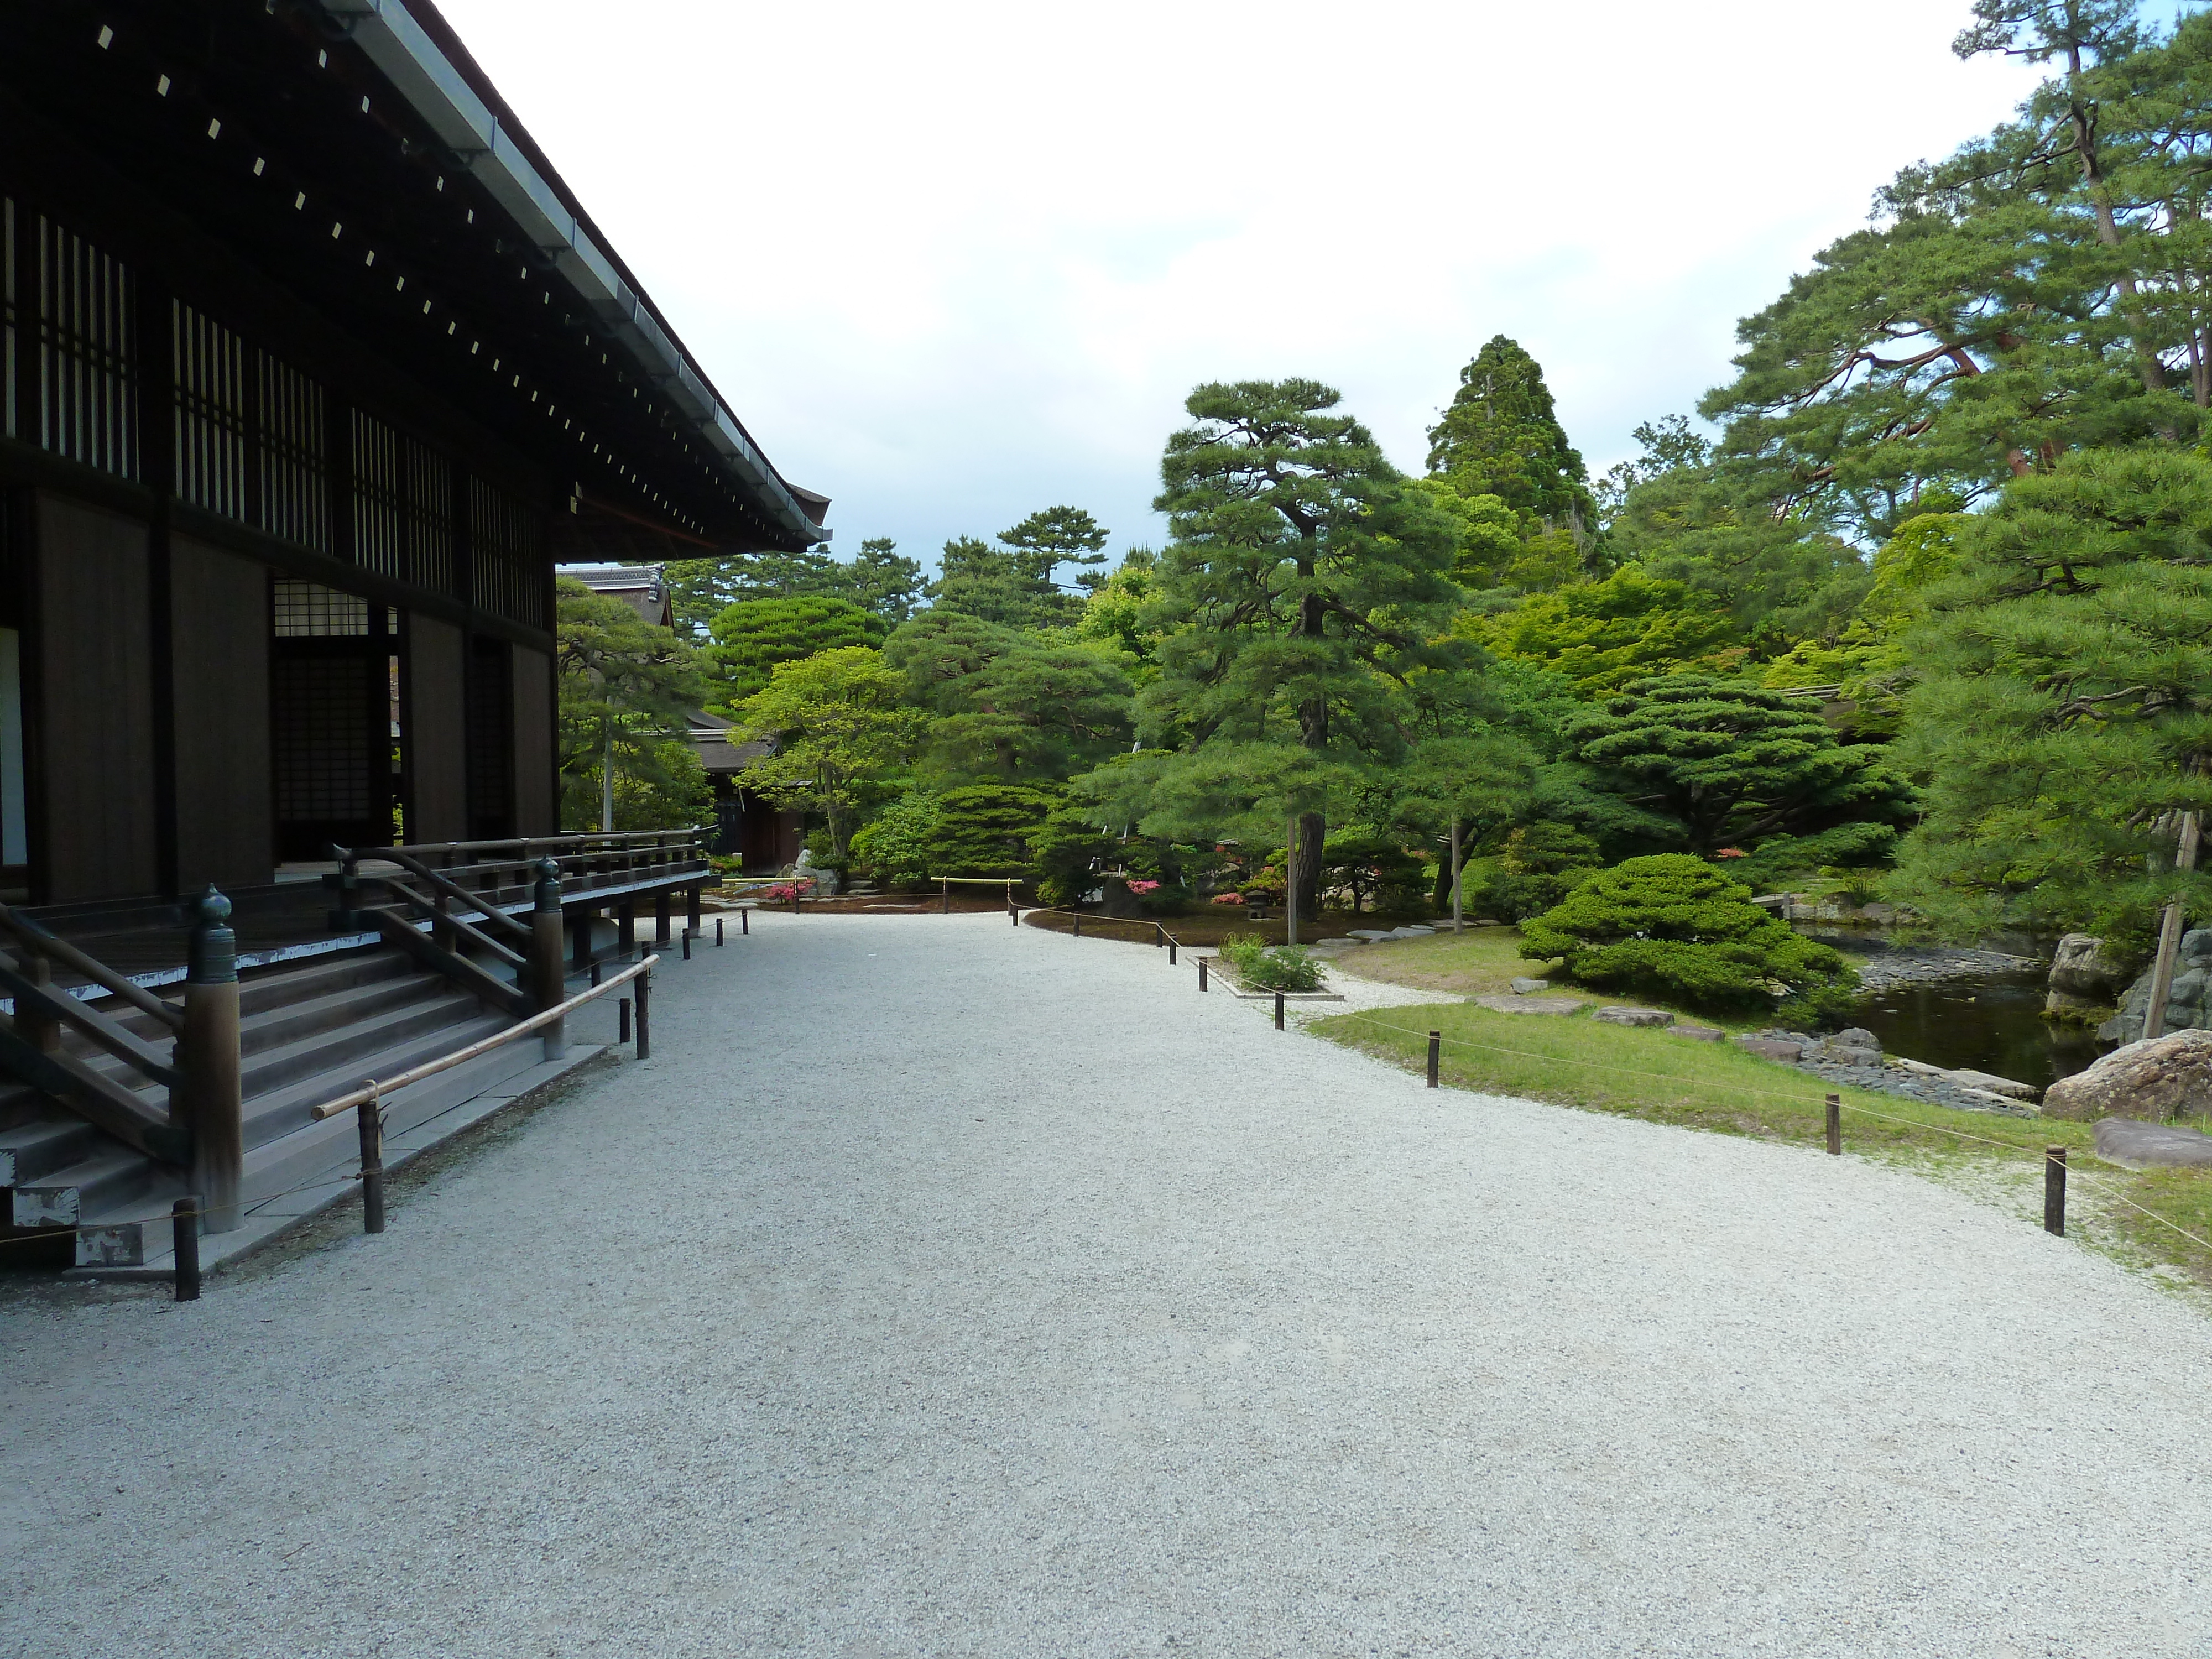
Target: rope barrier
{"x":1790,"y":1095}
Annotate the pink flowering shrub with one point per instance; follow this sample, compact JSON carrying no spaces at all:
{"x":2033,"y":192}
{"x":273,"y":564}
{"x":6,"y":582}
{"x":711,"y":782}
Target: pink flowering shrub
{"x":1144,"y":887}
{"x":783,"y":892}
{"x":1229,"y":898}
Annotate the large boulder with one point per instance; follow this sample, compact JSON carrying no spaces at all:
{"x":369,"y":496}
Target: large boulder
{"x":2166,"y":1078}
{"x":2188,"y":1000}
{"x":2085,"y":978}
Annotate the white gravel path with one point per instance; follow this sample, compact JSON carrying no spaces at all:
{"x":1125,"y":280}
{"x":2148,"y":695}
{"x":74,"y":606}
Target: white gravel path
{"x":940,"y":1288}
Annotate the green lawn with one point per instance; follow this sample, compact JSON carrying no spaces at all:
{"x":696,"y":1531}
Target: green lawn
{"x":1717,"y":1086}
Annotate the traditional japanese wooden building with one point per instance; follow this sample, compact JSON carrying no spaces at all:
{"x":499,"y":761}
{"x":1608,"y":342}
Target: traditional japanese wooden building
{"x":312,"y":368}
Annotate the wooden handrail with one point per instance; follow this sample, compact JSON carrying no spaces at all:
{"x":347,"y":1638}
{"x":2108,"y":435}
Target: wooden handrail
{"x":61,"y":952}
{"x":104,"y":1032}
{"x":524,"y":844}
{"x":490,"y":913}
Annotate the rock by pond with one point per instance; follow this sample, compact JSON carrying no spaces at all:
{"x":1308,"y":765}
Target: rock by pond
{"x":2166,"y":1078}
{"x":2189,"y":999}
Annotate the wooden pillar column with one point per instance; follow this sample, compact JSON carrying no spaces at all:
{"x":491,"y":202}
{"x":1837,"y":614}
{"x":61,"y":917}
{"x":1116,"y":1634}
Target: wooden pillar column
{"x":660,"y":917}
{"x":550,"y":978}
{"x":214,"y":1095}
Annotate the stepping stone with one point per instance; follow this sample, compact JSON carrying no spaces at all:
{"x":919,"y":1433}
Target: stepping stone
{"x":2133,"y":1145}
{"x":1413,"y":932}
{"x":1700,"y":1033}
{"x":1634,"y":1017}
{"x":1370,"y":934}
{"x":1966,"y":1078}
{"x":1531,"y":988}
{"x":1517,"y":1005}
{"x":1772,"y":1049}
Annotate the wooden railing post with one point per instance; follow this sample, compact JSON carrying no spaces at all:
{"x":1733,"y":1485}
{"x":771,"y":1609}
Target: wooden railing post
{"x":660,"y":918}
{"x":547,"y":955}
{"x":41,"y":1033}
{"x":214,"y":1103}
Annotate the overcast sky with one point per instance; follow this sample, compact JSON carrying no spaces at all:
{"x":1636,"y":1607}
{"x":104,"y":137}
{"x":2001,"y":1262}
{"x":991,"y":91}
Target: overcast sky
{"x":952,"y":264}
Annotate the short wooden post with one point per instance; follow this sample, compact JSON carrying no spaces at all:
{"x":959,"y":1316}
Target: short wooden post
{"x":660,"y":918}
{"x":36,"y":1029}
{"x":794,"y":896}
{"x":1171,"y":950}
{"x":372,"y":1162}
{"x":595,"y":973}
{"x":1013,"y":914}
{"x":644,"y":1015}
{"x":1278,"y":1011}
{"x":550,"y":977}
{"x":718,"y":932}
{"x":1436,"y":1055}
{"x":1159,"y":936}
{"x":622,"y":1032}
{"x":946,"y":885}
{"x":185,"y":1240}
{"x":2054,"y":1190}
{"x":687,"y":945}
{"x":1079,"y":924}
{"x":1201,"y":973}
{"x":213,"y":1101}
{"x":1835,"y":1126}
{"x":745,"y":923}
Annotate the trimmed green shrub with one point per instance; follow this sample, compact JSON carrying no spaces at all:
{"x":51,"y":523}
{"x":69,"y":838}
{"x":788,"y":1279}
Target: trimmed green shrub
{"x":1264,"y":968}
{"x":1672,"y":924}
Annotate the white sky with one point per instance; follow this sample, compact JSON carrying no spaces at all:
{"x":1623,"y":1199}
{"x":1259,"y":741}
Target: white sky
{"x":953,"y":263}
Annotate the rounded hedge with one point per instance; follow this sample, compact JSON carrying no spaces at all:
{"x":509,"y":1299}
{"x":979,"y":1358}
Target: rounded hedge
{"x":1672,"y":925}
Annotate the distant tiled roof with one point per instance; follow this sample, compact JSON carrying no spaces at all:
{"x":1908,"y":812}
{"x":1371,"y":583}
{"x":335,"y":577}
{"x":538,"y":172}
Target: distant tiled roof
{"x":641,"y":587}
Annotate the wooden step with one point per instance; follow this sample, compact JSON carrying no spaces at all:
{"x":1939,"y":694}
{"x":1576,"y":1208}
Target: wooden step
{"x":39,"y":1148}
{"x":278,"y":1112}
{"x":358,"y":1047}
{"x":109,"y":1177}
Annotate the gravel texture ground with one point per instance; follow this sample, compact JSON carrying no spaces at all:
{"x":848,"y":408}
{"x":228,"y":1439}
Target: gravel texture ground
{"x":942,"y":1288}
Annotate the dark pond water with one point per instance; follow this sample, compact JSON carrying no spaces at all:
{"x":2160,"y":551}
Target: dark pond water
{"x":1991,"y":1021}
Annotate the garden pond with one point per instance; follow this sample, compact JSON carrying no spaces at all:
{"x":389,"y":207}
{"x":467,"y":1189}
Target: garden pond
{"x":1985,"y":1012}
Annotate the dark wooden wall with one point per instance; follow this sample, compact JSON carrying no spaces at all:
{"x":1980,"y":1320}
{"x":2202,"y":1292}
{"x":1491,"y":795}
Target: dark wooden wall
{"x":436,"y":724}
{"x":93,"y":831}
{"x":536,"y":789}
{"x":219,"y":618}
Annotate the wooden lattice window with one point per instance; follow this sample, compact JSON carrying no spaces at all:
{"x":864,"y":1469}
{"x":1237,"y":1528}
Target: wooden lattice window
{"x":309,"y":611}
{"x":213,"y":370}
{"x":86,"y":410}
{"x":323,"y":736}
{"x":508,"y":543}
{"x":294,"y":470}
{"x":380,"y":522}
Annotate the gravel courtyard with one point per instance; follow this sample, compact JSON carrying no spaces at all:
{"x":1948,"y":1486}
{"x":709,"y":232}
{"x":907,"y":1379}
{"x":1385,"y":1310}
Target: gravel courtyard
{"x":942,"y":1288}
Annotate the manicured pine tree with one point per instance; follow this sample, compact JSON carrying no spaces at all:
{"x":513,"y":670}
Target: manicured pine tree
{"x":1305,"y":581}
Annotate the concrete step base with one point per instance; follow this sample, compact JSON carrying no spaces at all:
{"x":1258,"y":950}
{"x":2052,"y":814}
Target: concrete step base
{"x":432,"y":1115}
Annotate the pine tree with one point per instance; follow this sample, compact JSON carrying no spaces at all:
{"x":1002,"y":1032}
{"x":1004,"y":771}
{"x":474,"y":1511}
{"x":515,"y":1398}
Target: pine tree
{"x":2064,"y":715}
{"x":1304,"y":583}
{"x":1501,"y":437}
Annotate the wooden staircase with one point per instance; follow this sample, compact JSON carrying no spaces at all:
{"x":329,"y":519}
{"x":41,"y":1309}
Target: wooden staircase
{"x":308,"y":1034}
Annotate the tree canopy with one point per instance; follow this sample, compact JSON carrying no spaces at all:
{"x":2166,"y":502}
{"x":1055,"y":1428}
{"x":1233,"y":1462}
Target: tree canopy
{"x":751,"y":636}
